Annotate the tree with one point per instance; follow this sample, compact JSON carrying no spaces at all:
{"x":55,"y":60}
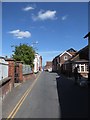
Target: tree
{"x":24,"y":53}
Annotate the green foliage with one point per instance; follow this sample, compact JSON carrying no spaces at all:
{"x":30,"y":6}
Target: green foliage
{"x":24,"y":53}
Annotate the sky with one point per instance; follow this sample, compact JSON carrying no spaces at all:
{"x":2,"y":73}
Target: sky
{"x":50,"y":27}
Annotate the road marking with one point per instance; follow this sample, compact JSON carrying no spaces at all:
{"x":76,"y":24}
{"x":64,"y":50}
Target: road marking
{"x":20,"y":102}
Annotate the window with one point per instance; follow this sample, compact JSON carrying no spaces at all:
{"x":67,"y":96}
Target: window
{"x":65,"y":57}
{"x":82,"y":68}
{"x":71,"y":50}
{"x":79,"y":69}
{"x":86,"y":67}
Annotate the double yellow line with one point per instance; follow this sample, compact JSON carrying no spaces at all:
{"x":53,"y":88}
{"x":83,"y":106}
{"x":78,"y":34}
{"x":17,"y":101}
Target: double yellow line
{"x":18,"y":105}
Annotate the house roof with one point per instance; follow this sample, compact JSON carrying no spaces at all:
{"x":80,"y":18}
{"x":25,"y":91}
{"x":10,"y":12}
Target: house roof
{"x":65,"y":52}
{"x":82,"y":53}
{"x":82,"y":60}
{"x":70,"y":52}
{"x":77,"y":61}
{"x":88,"y":35}
{"x":73,"y":57}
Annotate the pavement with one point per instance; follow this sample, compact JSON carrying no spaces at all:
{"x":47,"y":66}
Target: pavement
{"x":73,"y":98}
{"x":83,"y":82}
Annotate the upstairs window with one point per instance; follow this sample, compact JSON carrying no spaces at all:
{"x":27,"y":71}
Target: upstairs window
{"x":65,"y":57}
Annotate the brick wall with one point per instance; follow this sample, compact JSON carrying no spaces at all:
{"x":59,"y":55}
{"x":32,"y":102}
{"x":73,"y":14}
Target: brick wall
{"x":8,"y":83}
{"x":28,"y":77}
{"x":20,"y":72}
{"x":11,"y":70}
{"x":6,"y":87}
{"x":62,"y":58}
{"x":23,"y":77}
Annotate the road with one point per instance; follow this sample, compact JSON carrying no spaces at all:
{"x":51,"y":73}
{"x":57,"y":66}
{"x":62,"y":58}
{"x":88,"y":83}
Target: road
{"x":49,"y":96}
{"x":40,"y":101}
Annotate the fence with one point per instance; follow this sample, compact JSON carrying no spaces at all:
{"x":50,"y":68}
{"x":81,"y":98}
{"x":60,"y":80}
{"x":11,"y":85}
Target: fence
{"x":3,"y":69}
{"x":26,"y":69}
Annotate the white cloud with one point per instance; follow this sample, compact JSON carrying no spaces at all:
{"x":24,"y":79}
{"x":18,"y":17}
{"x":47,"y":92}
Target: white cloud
{"x":28,"y":8}
{"x":20,"y":34}
{"x":64,"y":17}
{"x":45,"y":15}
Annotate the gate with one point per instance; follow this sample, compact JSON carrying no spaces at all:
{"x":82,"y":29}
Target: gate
{"x":16,"y":75}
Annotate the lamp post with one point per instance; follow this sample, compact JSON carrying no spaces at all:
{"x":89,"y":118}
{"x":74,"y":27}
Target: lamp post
{"x":88,"y":35}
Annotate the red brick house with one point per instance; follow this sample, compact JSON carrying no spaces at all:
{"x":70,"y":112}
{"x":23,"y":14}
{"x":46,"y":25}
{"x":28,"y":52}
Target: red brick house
{"x":80,"y":59}
{"x":48,"y":66}
{"x":54,"y":63}
{"x":59,"y":60}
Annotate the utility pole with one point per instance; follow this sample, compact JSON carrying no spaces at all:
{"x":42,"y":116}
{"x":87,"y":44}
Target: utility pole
{"x":33,"y":45}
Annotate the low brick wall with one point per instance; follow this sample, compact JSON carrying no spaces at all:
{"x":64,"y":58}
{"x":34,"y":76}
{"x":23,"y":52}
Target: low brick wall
{"x":6,"y":85}
{"x":28,"y":76}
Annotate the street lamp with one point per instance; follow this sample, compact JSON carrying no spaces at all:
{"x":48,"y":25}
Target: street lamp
{"x":88,"y":35}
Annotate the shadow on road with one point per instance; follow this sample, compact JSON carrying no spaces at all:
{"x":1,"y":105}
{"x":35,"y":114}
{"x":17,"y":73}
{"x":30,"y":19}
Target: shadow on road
{"x":73,"y":99}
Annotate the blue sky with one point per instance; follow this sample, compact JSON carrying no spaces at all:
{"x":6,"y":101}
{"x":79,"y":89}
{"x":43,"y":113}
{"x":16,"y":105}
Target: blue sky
{"x":54,"y":27}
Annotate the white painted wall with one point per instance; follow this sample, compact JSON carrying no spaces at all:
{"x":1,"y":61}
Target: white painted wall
{"x":36,"y":63}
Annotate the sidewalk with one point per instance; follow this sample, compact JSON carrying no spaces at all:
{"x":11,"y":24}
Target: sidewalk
{"x":72,"y":78}
{"x":73,"y":99}
{"x":14,"y":96}
{"x":83,"y":82}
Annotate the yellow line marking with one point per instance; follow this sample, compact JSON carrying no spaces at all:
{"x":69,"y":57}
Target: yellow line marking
{"x":24,"y":99}
{"x":17,"y":107}
{"x":17,"y":104}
